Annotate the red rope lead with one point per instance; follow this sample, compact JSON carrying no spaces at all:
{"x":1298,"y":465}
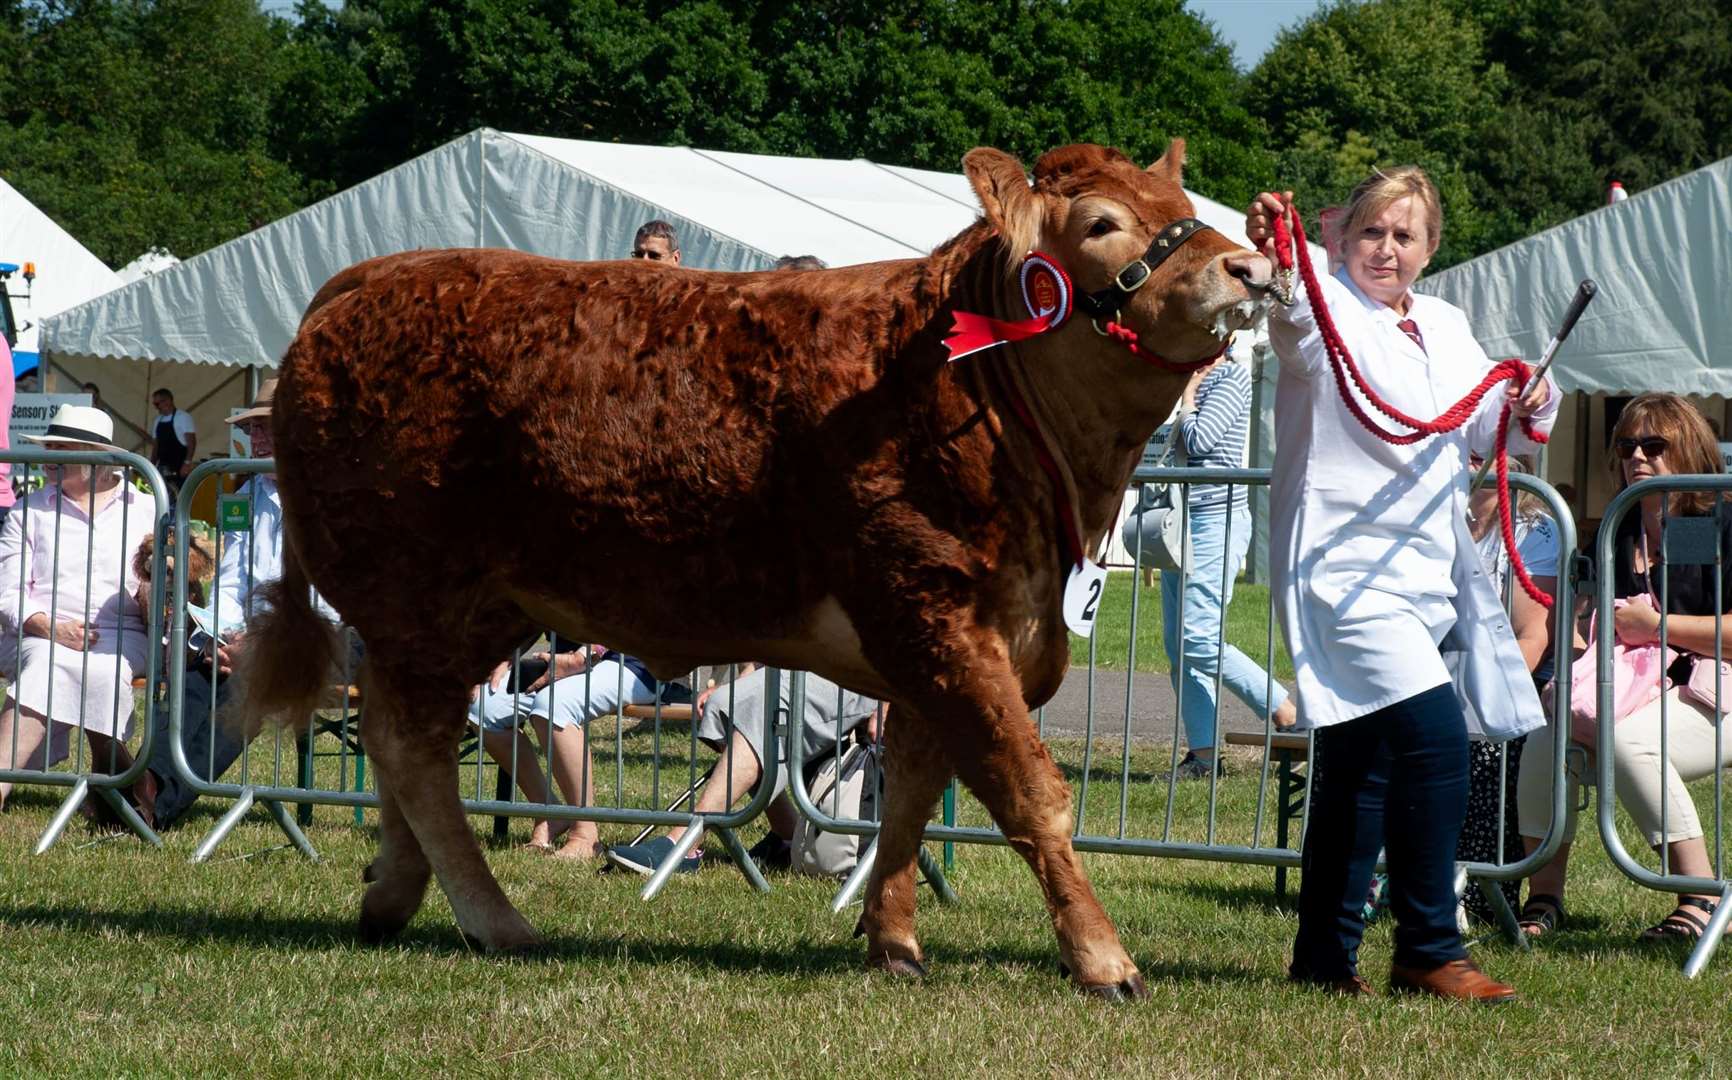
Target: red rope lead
{"x":1290,"y":234}
{"x":1127,"y":337}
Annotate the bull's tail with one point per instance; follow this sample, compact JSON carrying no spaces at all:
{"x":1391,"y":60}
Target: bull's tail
{"x":291,"y":651}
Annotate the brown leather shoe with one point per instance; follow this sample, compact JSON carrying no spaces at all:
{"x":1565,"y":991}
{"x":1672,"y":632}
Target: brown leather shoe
{"x":1351,"y":986}
{"x":1458,"y":979}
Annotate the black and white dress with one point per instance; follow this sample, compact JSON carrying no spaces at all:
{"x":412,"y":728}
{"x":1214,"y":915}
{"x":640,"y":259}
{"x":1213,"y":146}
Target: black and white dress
{"x":1485,"y":830}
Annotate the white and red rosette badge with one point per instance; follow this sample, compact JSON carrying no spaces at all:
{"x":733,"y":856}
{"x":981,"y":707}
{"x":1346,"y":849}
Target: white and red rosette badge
{"x":1046,"y":292}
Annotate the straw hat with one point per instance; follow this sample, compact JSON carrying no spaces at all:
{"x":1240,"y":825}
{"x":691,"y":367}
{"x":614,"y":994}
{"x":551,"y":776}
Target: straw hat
{"x":261,"y":406}
{"x":78,"y":424}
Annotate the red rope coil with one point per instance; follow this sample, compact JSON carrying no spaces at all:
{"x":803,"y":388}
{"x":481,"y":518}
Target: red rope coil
{"x":1290,"y":234}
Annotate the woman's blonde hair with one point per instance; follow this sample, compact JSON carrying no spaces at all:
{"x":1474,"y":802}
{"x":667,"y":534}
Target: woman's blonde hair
{"x":1384,"y":186}
{"x":1691,"y":446}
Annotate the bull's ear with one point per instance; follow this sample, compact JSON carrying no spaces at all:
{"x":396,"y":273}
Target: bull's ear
{"x":1010,"y":204}
{"x":1171,"y":165}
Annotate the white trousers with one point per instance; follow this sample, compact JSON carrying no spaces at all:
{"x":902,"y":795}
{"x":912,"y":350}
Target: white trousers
{"x":1638,"y":768}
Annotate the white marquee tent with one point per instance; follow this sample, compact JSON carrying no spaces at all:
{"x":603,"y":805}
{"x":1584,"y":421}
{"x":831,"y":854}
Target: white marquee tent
{"x":1663,"y":263}
{"x":66,"y":274}
{"x":199,"y":326}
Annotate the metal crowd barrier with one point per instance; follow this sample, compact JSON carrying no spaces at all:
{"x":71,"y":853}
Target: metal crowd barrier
{"x":276,"y":775}
{"x":136,"y":515}
{"x":1685,"y":541}
{"x":1214,"y":840}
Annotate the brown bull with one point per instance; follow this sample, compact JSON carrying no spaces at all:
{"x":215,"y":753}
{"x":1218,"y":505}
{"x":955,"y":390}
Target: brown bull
{"x":704,"y":468}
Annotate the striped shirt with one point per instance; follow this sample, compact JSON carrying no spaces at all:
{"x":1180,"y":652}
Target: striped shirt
{"x":1214,"y":435}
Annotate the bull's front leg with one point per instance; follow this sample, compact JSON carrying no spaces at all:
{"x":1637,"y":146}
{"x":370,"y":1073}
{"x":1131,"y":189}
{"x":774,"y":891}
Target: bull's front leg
{"x":989,"y":738}
{"x":915,"y":772}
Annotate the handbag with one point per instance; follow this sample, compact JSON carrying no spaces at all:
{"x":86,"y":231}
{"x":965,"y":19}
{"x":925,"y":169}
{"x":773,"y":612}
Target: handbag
{"x":1638,"y":677}
{"x":1710,"y":685}
{"x":1160,"y":520}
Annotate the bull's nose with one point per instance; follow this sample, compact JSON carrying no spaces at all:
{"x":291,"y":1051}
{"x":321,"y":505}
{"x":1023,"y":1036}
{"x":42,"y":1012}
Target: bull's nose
{"x":1251,"y":268}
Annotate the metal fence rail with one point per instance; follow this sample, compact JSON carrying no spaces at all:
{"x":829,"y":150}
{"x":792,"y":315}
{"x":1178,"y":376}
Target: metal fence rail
{"x":23,"y":566}
{"x":1255,"y":849}
{"x":1685,"y":541}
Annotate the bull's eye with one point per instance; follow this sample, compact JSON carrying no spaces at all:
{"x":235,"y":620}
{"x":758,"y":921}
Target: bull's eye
{"x":1100,"y":227}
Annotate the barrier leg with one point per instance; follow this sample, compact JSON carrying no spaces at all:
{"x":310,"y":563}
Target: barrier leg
{"x":935,"y":876}
{"x":682,"y":847}
{"x":743,"y":860}
{"x":57,"y":824}
{"x":287,"y":823}
{"x":224,"y":826}
{"x":360,"y":783}
{"x":501,"y":793}
{"x":950,"y":819}
{"x":1704,"y":950}
{"x":852,"y":884}
{"x":1506,"y":918}
{"x":129,"y":815}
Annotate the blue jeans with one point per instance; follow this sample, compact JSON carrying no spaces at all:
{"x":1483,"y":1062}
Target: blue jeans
{"x":1394,"y":780}
{"x":1207,"y":592}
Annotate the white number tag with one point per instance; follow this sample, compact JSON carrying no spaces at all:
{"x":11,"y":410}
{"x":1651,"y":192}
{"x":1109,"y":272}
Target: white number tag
{"x":1082,"y":597}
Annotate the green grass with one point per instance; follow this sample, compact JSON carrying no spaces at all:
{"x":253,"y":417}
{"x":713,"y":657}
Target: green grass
{"x":119,"y":959}
{"x":1247,"y":627}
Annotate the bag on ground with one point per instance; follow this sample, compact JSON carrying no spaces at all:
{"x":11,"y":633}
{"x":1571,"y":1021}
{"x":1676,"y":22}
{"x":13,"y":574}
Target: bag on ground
{"x":849,"y":790}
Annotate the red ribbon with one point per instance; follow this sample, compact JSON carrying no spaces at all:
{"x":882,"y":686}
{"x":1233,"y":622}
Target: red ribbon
{"x":970,"y":333}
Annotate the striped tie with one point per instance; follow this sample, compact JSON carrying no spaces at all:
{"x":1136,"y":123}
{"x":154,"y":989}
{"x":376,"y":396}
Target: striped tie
{"x":1411,"y":329}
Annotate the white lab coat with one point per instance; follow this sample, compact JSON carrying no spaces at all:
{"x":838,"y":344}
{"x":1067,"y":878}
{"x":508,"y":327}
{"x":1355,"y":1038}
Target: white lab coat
{"x":1376,"y":578}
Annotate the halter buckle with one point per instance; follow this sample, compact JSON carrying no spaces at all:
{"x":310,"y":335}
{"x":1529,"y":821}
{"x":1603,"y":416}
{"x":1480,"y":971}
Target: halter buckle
{"x":1133,"y":277}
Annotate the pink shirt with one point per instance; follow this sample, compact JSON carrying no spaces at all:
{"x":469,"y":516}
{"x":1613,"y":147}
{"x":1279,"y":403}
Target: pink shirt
{"x":27,"y":565}
{"x":7,"y":389}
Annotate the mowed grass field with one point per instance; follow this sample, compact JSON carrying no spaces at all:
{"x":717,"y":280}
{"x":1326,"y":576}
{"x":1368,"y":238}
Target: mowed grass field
{"x":122,"y":960}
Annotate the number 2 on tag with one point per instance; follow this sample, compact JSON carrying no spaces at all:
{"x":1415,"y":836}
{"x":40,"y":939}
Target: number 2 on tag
{"x":1082,"y":597}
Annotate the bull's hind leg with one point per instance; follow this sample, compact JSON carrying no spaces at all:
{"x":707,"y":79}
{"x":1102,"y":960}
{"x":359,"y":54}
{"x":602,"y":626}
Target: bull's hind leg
{"x":915,"y":772}
{"x":412,"y":729}
{"x":987,"y":734}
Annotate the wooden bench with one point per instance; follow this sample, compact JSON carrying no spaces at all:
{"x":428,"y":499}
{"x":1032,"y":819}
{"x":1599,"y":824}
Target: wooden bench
{"x":1289,"y":749}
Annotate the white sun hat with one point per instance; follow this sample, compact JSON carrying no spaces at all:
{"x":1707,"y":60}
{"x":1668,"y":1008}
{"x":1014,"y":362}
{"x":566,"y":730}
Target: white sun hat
{"x":78,"y":424}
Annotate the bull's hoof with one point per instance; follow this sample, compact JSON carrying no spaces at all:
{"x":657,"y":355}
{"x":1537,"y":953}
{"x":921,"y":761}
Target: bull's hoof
{"x":904,"y":967}
{"x":1132,"y":989}
{"x":515,"y":946}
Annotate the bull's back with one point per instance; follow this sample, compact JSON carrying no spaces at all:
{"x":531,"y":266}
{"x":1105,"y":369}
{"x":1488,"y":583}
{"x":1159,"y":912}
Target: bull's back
{"x":500,"y":408}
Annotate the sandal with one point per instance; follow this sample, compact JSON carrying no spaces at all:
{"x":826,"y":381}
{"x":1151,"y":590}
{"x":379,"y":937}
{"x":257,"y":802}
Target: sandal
{"x":1542,"y":914}
{"x":1683,"y":924}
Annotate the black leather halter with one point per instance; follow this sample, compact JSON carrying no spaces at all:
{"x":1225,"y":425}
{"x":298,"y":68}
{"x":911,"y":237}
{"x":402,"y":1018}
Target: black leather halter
{"x":1106,"y":303}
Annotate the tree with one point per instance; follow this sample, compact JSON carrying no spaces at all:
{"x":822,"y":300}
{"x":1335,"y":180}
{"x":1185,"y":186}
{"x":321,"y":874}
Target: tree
{"x":913,"y":82}
{"x":138,"y":124}
{"x":1398,"y":81}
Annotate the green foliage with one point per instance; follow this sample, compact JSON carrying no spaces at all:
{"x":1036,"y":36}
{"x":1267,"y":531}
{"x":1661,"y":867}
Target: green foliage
{"x":135,"y":123}
{"x":183,"y":123}
{"x":1521,"y":110}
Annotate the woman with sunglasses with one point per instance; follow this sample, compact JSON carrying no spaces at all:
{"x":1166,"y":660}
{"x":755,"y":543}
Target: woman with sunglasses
{"x":1657,"y":435}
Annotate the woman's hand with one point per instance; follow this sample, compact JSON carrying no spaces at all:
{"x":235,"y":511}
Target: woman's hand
{"x":1188,"y":400}
{"x":1637,"y":622}
{"x":1525,"y":405}
{"x":69,"y":633}
{"x":1260,"y":220}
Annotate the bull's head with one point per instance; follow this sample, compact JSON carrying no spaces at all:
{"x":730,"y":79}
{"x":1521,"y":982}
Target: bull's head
{"x":1098,"y":214}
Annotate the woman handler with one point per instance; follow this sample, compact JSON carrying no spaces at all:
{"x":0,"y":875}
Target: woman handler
{"x":1376,"y":579}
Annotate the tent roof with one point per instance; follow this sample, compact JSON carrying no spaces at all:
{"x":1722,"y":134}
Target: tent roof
{"x":66,"y":274}
{"x":1660,"y":322}
{"x":241,"y":302}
